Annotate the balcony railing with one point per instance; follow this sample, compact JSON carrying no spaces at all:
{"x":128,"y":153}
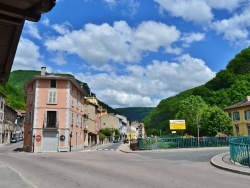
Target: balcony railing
{"x":51,"y":126}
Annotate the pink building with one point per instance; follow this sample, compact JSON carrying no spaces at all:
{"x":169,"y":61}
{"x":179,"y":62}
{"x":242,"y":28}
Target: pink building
{"x":56,"y":114}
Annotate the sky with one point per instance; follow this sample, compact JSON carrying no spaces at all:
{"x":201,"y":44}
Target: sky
{"x":135,"y":53}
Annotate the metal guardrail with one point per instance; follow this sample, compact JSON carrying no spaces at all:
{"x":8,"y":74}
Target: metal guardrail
{"x":239,"y":150}
{"x":182,"y":142}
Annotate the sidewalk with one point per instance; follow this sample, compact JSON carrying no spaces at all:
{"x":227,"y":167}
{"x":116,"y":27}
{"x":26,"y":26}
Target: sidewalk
{"x":221,"y":161}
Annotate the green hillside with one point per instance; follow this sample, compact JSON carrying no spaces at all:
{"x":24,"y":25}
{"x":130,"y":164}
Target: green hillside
{"x":135,"y":113}
{"x":230,"y":86}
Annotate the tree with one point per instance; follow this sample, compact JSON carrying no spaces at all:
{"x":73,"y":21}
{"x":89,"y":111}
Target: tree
{"x":190,"y":108}
{"x":102,"y":136}
{"x":117,"y":134}
{"x":106,"y":132}
{"x":214,"y":120}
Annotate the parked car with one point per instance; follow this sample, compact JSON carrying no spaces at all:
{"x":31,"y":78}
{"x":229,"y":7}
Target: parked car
{"x":17,"y":139}
{"x":125,"y":141}
{"x":13,"y":140}
{"x":20,"y":138}
{"x":115,"y":141}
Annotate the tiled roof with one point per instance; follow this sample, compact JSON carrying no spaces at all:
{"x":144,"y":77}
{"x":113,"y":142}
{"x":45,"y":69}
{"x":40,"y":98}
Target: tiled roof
{"x":238,"y":105}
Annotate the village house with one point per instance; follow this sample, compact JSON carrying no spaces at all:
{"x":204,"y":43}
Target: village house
{"x":240,"y":115}
{"x":92,"y":121}
{"x":9,"y":127}
{"x":2,"y":104}
{"x":56,"y":114}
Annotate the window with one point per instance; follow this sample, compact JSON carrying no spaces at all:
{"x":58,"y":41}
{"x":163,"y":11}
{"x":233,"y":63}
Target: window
{"x":236,"y":129}
{"x":52,"y":97}
{"x":247,"y":114}
{"x":248,"y":129}
{"x":77,"y":120}
{"x":30,"y":118}
{"x":72,"y":119}
{"x":31,"y":98}
{"x":53,"y":83}
{"x":72,"y":100}
{"x":1,"y":102}
{"x":52,"y":119}
{"x":236,"y":116}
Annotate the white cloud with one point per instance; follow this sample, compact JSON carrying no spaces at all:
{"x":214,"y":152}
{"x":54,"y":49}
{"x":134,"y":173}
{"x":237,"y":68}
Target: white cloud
{"x":147,"y":86}
{"x":234,"y":29}
{"x":151,"y":35}
{"x":189,"y":10}
{"x":126,"y":7}
{"x":63,"y":28}
{"x":27,"y":59}
{"x":31,"y":29}
{"x":189,"y":38}
{"x":45,"y":21}
{"x":99,"y":44}
{"x":225,"y":4}
{"x":59,"y":58}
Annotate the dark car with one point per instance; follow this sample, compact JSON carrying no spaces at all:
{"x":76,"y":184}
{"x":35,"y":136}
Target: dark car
{"x":125,"y":141}
{"x":20,"y":138}
{"x":13,"y":140}
{"x":115,"y":141}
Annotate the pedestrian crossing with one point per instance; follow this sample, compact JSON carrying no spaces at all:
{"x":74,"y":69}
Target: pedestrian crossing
{"x":87,"y":150}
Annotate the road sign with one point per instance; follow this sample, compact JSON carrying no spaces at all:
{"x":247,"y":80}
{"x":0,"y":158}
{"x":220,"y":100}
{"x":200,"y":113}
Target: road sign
{"x":177,"y":124}
{"x":38,"y":138}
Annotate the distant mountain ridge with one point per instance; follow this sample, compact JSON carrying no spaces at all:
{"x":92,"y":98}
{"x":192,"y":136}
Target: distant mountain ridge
{"x":135,"y":113}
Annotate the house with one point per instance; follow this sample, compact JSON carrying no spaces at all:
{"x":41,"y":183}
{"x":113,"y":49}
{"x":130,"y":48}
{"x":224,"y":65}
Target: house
{"x":92,"y":121}
{"x":240,"y":115}
{"x":55,"y":114}
{"x":9,"y":127}
{"x":111,"y":122}
{"x":124,"y":127}
{"x":2,"y":104}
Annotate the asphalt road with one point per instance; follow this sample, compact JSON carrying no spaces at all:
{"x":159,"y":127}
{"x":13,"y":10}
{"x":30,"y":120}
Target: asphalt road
{"x":189,"y":168}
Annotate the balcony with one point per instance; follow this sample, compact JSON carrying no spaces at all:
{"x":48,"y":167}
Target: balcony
{"x":51,"y":126}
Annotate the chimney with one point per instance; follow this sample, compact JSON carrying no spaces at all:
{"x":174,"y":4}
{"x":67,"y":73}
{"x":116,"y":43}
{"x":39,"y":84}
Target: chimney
{"x":43,"y":71}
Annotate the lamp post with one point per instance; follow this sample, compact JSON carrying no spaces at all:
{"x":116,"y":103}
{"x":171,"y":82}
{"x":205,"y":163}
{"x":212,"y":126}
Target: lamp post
{"x":198,"y":130}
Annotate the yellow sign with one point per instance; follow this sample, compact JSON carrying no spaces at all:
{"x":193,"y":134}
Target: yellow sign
{"x":177,"y":124}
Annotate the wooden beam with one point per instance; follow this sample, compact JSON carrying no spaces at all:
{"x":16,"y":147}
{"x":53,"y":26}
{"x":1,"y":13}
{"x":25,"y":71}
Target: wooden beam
{"x":12,"y":20}
{"x":19,"y":13}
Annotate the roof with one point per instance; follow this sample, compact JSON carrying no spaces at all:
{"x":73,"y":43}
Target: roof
{"x":54,"y":77}
{"x":240,"y":104}
{"x":13,"y":14}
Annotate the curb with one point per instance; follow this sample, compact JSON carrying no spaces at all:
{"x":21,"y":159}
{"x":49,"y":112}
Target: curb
{"x":218,"y":162}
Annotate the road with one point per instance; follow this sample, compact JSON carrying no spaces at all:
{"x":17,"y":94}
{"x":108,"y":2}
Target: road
{"x":107,"y":167}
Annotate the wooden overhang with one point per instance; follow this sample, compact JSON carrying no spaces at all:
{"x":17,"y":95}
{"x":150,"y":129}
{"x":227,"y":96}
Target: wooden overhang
{"x":13,"y":14}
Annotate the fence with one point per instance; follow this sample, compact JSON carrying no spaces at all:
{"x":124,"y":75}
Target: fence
{"x":181,"y":142}
{"x":239,"y":150}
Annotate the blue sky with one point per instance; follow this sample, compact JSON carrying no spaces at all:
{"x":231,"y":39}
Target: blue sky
{"x":134,"y":53}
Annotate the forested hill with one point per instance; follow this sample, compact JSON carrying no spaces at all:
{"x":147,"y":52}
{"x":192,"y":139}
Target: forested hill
{"x":135,"y":113}
{"x":230,"y":86}
{"x":14,"y":89}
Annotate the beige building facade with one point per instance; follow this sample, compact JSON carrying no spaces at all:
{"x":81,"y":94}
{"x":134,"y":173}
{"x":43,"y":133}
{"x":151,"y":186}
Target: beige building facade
{"x":240,"y":115}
